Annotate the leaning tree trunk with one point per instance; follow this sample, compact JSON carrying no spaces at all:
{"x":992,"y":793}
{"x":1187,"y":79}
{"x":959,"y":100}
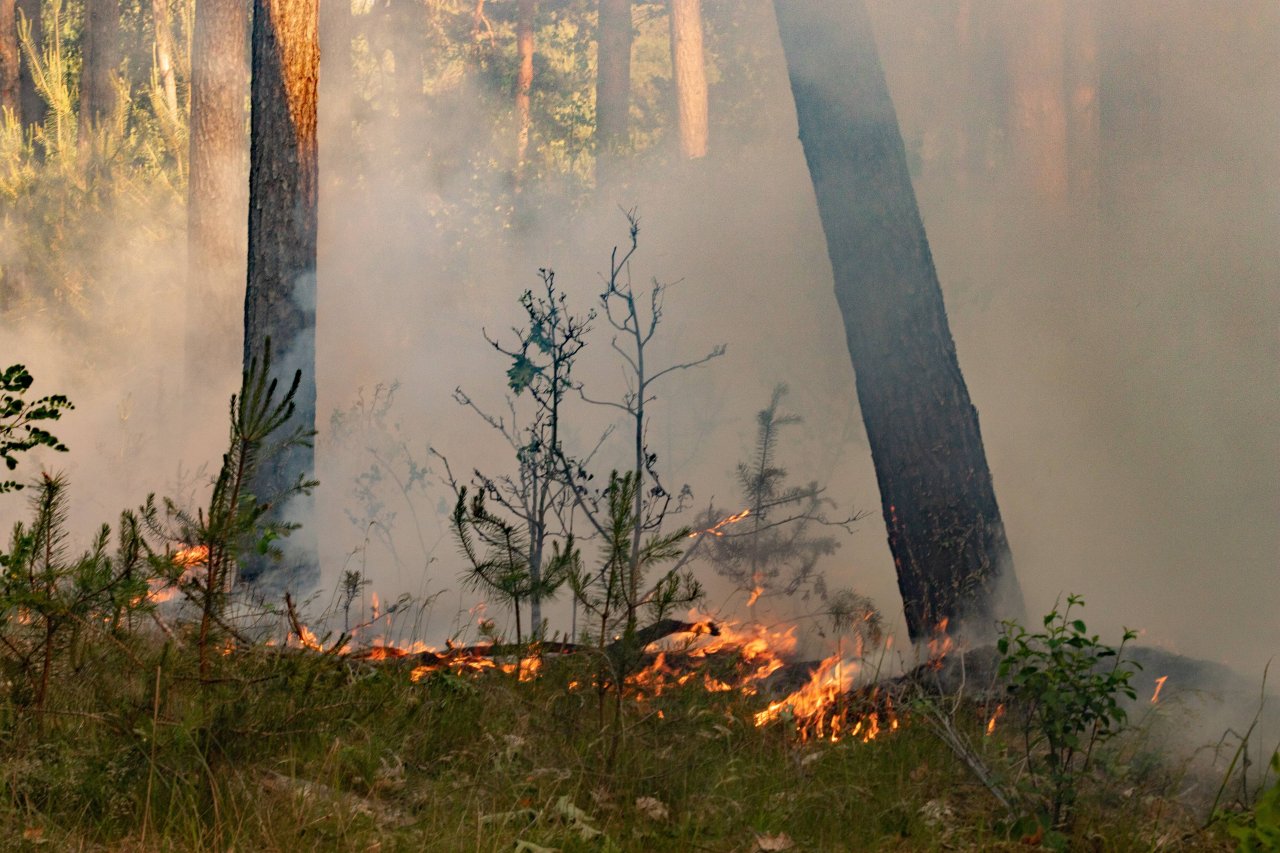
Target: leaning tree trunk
{"x":613,"y":84}
{"x":280,"y":300}
{"x":33,"y":105}
{"x":10,"y":90}
{"x":100,"y":57}
{"x":689,"y":70}
{"x":945,"y":532}
{"x":217,"y":199}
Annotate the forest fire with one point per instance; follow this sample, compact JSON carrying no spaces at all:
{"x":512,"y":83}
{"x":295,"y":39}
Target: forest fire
{"x":192,"y":560}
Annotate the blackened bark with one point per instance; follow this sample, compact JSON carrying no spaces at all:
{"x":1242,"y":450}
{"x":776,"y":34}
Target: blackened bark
{"x":100,"y":57}
{"x":280,"y":299}
{"x":33,"y":105}
{"x":945,"y":532}
{"x":689,"y":71}
{"x":613,"y":83}
{"x":10,"y":91}
{"x":217,"y":192}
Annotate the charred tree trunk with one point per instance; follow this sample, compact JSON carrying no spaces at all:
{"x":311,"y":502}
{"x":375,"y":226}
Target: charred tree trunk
{"x":164,"y":53}
{"x":280,"y":299}
{"x":689,"y":70}
{"x":944,"y":526}
{"x":33,"y":105}
{"x":100,"y":57}
{"x":217,"y":199}
{"x":613,"y":84}
{"x":10,"y":90}
{"x":525,"y":11}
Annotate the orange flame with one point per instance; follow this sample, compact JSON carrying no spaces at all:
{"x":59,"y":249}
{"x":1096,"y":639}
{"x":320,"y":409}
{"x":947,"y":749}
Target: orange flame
{"x":991,"y":723}
{"x":714,"y":529}
{"x":1155,"y":697}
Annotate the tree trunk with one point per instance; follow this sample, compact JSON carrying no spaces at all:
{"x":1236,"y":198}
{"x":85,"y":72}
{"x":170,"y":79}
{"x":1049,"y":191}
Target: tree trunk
{"x":217,"y":198}
{"x":945,"y":532}
{"x":1129,"y":107}
{"x":689,"y":70}
{"x":33,"y":105}
{"x":1083,"y":127}
{"x":1038,"y":120}
{"x":525,"y":11}
{"x":164,"y":53}
{"x":280,"y":299}
{"x":100,"y":58}
{"x":10,"y":90}
{"x":613,"y":84}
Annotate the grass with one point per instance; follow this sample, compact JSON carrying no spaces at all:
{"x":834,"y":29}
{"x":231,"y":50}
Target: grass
{"x":288,"y":750}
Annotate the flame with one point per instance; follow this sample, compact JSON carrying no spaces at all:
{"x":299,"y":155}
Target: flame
{"x":714,"y":529}
{"x":374,"y":600}
{"x":1155,"y":697}
{"x":755,"y":596}
{"x":991,"y":723}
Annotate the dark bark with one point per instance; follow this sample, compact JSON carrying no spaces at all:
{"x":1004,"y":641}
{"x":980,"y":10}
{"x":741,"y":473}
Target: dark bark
{"x":10,"y":90}
{"x":689,"y":71}
{"x":33,"y":105}
{"x":100,"y":57}
{"x":613,"y":84}
{"x":280,"y":299}
{"x":525,"y":11}
{"x":217,"y":191}
{"x":945,"y":532}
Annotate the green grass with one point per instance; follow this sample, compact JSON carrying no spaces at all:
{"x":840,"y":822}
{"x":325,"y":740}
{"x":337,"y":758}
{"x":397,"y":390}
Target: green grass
{"x":291,"y":750}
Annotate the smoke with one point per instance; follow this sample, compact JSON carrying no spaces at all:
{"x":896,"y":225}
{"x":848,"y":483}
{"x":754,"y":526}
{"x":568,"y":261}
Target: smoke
{"x":1125,"y":377}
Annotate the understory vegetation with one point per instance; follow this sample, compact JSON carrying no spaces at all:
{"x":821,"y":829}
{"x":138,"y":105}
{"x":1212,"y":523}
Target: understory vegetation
{"x":219,"y":722}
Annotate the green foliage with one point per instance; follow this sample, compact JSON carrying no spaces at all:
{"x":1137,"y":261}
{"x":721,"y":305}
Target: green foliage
{"x":236,"y":522}
{"x":1258,"y":830}
{"x":53,"y":603}
{"x":19,"y":418}
{"x":497,"y":553}
{"x":76,"y":197}
{"x":1068,"y":685}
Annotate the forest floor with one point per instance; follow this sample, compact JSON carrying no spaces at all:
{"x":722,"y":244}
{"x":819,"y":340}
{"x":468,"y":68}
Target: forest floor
{"x":292,"y":750}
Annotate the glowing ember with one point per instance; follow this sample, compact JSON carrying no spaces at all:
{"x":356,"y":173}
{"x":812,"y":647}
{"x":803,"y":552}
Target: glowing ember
{"x":1155,"y":697}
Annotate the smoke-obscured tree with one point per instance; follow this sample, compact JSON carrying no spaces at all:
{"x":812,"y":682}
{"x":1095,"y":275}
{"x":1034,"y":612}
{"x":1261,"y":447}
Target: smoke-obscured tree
{"x":164,"y":53}
{"x":100,"y":61}
{"x":772,"y":550}
{"x":10,"y":89}
{"x":939,"y":505}
{"x":33,"y":106}
{"x":689,"y":72}
{"x":280,"y":299}
{"x":1083,"y":122}
{"x":525,"y":11}
{"x":1038,"y":115}
{"x":613,"y":83}
{"x":216,"y":197}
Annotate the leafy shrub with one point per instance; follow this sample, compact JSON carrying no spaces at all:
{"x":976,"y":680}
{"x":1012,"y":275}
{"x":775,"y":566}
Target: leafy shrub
{"x":1068,"y":684}
{"x":18,"y":418}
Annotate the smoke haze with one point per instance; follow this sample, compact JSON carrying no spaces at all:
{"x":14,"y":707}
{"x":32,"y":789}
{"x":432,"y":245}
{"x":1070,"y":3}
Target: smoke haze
{"x":1126,"y":377}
